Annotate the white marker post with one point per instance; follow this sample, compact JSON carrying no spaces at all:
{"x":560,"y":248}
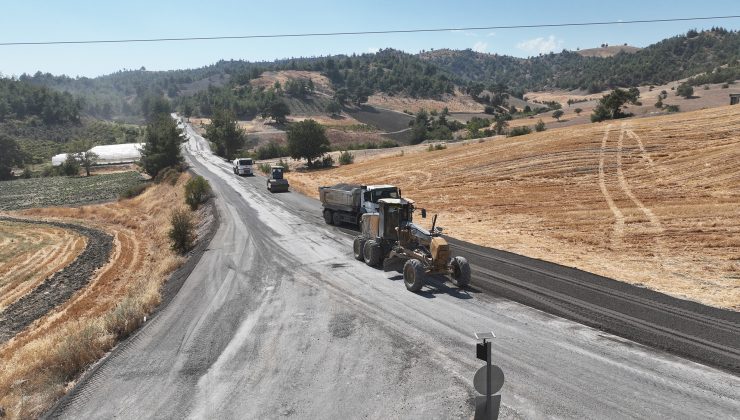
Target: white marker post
{"x":487,"y":406}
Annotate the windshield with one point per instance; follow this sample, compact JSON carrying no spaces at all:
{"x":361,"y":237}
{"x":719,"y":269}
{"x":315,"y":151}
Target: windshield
{"x":245,"y":162}
{"x":376,"y":195}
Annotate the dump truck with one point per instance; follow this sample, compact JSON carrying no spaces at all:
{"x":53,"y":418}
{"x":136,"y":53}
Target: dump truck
{"x":346,"y":203}
{"x":242,"y":166}
{"x":276,"y":182}
{"x":391,"y":233}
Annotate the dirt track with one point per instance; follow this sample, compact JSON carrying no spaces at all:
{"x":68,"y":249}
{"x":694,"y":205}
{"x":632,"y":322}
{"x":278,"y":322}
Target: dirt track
{"x":651,"y":201}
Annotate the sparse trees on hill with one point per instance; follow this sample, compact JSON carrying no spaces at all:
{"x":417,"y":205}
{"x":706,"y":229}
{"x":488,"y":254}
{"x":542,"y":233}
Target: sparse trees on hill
{"x":226,"y":134}
{"x":578,"y":111}
{"x":610,"y":105}
{"x":10,"y":156}
{"x":685,"y":90}
{"x":557,"y":114}
{"x":278,"y":111}
{"x":162,"y":147}
{"x":307,"y":140}
{"x":333,"y":108}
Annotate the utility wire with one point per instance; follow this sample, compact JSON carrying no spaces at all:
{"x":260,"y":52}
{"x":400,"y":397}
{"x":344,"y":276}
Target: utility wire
{"x":399,"y":31}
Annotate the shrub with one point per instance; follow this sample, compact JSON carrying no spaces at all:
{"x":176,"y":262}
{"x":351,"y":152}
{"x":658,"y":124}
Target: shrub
{"x":438,"y":146}
{"x":134,"y":191}
{"x":284,"y":164}
{"x":169,"y":175}
{"x":672,"y":108}
{"x":540,"y":126}
{"x":659,"y":104}
{"x":327,"y":161}
{"x":181,"y":232}
{"x":270,"y":151}
{"x":71,"y":166}
{"x":519,"y":131}
{"x":264,"y":168}
{"x":197,"y":191}
{"x":346,"y":158}
{"x":725,"y":86}
{"x":26,"y":174}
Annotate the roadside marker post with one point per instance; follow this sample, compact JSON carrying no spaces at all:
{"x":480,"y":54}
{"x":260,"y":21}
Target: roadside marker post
{"x":488,"y":380}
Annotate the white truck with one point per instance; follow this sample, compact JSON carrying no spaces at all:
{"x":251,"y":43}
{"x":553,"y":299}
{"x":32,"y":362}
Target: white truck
{"x":242,"y":166}
{"x":346,"y":203}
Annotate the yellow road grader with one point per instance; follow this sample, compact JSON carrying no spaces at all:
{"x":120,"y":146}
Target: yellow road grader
{"x":391,"y":233}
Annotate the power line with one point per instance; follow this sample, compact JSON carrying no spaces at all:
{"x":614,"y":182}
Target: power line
{"x":398,"y":31}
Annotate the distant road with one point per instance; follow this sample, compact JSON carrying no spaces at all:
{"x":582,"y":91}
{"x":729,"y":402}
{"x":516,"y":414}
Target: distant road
{"x":278,"y":319}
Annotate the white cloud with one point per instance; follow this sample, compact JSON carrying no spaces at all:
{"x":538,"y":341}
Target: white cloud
{"x":491,"y":34}
{"x":480,"y":47}
{"x":541,"y":45}
{"x":373,"y":50}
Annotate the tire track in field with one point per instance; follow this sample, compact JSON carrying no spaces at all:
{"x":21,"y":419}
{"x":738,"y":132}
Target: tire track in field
{"x":628,"y":191}
{"x":618,"y":215}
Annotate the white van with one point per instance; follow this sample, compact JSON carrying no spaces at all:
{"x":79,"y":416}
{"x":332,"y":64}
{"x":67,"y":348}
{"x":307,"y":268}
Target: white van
{"x":243,"y":166}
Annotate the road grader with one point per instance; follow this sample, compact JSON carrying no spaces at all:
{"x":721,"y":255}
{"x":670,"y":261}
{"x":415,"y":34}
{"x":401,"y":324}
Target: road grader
{"x":390,"y":233}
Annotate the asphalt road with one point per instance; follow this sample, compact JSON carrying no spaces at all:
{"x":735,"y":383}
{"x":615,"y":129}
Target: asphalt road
{"x":279,"y":320}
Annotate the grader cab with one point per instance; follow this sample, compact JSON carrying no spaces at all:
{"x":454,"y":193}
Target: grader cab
{"x":391,"y":233}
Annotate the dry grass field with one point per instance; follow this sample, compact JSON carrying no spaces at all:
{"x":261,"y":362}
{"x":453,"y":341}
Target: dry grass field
{"x":651,"y":201}
{"x":40,"y":363}
{"x":31,"y":253}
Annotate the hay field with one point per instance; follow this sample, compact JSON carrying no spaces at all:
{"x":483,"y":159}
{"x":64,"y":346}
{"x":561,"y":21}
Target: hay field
{"x":40,"y":363}
{"x":650,"y":201}
{"x":31,"y":253}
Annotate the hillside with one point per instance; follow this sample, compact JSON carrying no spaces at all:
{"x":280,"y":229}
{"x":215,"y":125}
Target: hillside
{"x":650,"y":201}
{"x":671,"y":59}
{"x":43,"y":121}
{"x":607,"y":51}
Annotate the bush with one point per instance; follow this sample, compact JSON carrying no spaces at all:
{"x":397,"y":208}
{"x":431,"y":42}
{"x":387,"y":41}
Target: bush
{"x":519,"y":131}
{"x":438,"y":146}
{"x":346,"y":158}
{"x":672,"y":108}
{"x":181,"y":233}
{"x":725,"y":86}
{"x":26,"y":174}
{"x":270,"y":151}
{"x":169,"y":175}
{"x":327,"y":161}
{"x":71,"y":166}
{"x":197,"y":191}
{"x":264,"y":168}
{"x":284,"y":164}
{"x":659,"y":104}
{"x":134,"y":191}
{"x":540,"y":126}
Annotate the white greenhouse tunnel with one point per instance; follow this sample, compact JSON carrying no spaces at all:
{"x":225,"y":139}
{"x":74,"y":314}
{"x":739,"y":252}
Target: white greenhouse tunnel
{"x":109,"y":154}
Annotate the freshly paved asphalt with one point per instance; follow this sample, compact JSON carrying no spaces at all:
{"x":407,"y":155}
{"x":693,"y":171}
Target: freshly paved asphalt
{"x":278,"y":319}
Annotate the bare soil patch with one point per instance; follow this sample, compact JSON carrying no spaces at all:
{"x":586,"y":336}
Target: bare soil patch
{"x":650,"y":201}
{"x":456,"y":102}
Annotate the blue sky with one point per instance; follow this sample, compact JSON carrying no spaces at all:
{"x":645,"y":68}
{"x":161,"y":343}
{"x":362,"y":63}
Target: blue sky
{"x":33,"y":20}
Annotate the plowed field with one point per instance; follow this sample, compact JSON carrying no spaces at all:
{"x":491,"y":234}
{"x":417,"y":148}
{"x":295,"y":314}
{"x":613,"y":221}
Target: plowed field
{"x":650,"y":201}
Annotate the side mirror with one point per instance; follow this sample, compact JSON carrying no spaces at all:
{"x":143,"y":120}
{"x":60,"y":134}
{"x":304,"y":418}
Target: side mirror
{"x":423,"y":213}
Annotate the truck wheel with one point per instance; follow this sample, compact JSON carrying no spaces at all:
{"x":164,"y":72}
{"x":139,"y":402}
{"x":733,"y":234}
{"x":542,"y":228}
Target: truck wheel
{"x":460,"y":271}
{"x":413,"y":275}
{"x":328,"y":217}
{"x":358,"y":247}
{"x":371,"y":251}
{"x":337,"y":218}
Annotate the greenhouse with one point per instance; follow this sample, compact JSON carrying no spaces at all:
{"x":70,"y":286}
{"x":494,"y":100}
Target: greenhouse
{"x":109,"y":154}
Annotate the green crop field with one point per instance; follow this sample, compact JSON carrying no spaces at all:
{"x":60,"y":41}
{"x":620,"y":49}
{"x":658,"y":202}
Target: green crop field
{"x":64,"y":191}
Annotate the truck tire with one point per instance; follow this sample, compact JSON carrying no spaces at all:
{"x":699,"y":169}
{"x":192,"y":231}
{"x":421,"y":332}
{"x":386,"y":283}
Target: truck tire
{"x":413,"y":275}
{"x":358,"y":248}
{"x":328,"y":217}
{"x":371,"y":253}
{"x":460,"y":271}
{"x":337,"y":218}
